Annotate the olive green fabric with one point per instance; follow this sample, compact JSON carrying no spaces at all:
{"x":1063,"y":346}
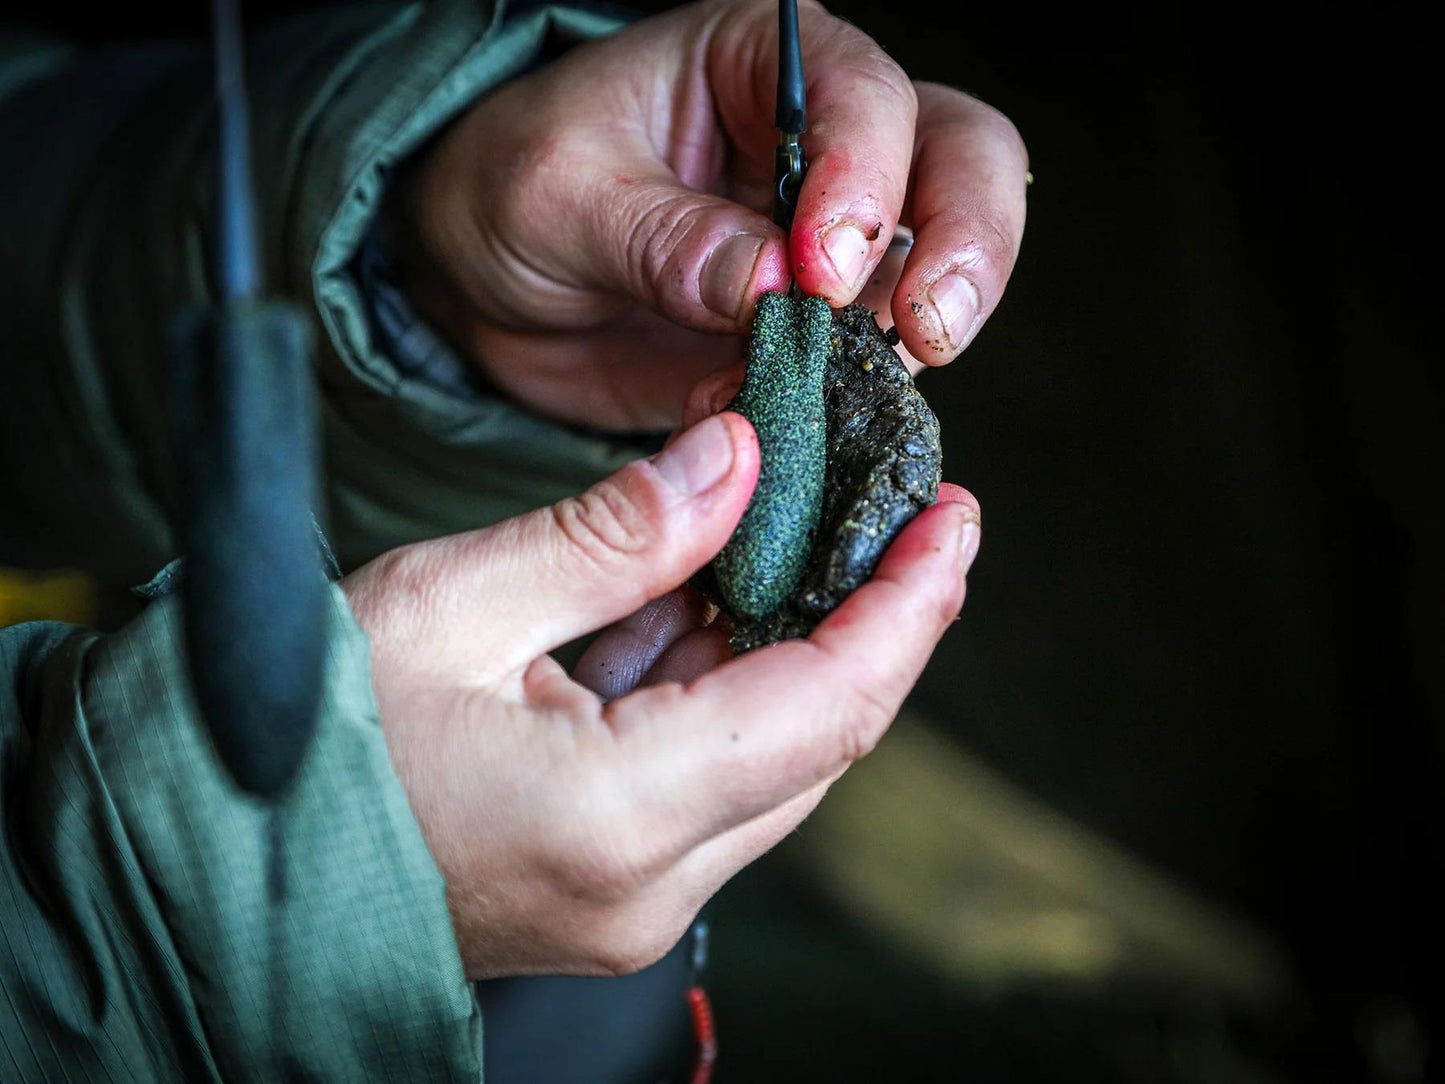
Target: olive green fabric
{"x":137,"y":939}
{"x":105,"y":200}
{"x":134,"y":937}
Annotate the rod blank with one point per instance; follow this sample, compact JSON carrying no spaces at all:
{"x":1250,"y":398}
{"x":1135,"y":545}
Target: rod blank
{"x":792,"y":115}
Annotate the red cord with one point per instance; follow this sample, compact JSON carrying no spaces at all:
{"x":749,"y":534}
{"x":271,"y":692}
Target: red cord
{"x":706,"y":1034}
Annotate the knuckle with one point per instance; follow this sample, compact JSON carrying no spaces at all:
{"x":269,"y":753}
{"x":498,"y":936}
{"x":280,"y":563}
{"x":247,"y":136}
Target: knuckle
{"x":1002,"y":129}
{"x":657,"y":245}
{"x":996,"y":253}
{"x":986,"y":247}
{"x":628,"y":939}
{"x":959,"y":106}
{"x":533,"y":173}
{"x":543,"y":157}
{"x":597,"y":869}
{"x":404,"y":579}
{"x":635,"y":949}
{"x":861,"y":58}
{"x":619,"y":872}
{"x":888,"y":74}
{"x":993,"y":243}
{"x":608,"y":525}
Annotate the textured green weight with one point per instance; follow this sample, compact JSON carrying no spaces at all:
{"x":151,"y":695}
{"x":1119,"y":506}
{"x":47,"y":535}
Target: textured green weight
{"x":782,"y":395}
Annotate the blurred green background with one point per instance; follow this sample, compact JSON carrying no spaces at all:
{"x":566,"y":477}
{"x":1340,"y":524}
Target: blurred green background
{"x":1166,"y":803}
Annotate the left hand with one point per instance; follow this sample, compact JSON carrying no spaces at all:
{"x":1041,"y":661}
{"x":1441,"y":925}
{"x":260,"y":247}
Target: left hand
{"x":579,"y":232}
{"x":581,"y":837}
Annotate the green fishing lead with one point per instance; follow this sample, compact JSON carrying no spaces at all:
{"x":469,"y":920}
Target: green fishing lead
{"x":782,"y":395}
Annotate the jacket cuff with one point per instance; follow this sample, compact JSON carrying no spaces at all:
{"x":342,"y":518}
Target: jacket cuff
{"x":134,"y":833}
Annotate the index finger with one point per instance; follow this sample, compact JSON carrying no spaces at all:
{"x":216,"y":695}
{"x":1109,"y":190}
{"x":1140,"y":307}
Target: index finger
{"x":767,"y":726}
{"x":967,"y":210}
{"x":861,"y":114}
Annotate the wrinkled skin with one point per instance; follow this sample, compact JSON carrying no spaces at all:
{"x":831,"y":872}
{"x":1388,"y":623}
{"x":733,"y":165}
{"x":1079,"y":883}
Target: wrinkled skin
{"x":581,"y":822}
{"x":594,"y":237}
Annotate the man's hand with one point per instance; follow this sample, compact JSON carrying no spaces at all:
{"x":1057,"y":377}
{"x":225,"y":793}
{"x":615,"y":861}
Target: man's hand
{"x":579,"y":231}
{"x":578,"y":835}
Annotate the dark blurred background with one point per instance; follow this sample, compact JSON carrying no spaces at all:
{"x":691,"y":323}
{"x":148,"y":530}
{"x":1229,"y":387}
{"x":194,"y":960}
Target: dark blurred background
{"x":1166,"y":804}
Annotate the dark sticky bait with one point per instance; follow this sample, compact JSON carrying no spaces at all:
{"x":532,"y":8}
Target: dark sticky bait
{"x":882,"y":461}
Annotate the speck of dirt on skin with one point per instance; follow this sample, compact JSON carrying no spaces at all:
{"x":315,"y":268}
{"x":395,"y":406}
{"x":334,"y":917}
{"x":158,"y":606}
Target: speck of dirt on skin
{"x":916,"y":307}
{"x":875,"y":231}
{"x":735,"y":735}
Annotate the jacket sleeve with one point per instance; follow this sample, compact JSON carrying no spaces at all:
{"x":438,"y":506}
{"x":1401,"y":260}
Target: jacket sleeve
{"x":136,"y":940}
{"x":105,"y":234}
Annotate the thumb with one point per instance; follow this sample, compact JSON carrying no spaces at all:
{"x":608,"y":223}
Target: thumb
{"x":697,"y":259}
{"x":493,"y":600}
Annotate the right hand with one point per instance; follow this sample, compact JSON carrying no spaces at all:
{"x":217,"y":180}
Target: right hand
{"x":582,"y":836}
{"x":585,"y":232}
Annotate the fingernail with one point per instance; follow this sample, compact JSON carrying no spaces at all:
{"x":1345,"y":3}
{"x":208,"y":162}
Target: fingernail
{"x":698,"y":459}
{"x":728,"y":271}
{"x":970,"y":533}
{"x":955,"y":301}
{"x":847,"y":251}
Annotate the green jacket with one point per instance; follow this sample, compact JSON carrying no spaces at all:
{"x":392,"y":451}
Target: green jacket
{"x":134,"y":933}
